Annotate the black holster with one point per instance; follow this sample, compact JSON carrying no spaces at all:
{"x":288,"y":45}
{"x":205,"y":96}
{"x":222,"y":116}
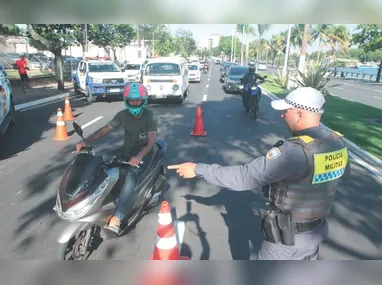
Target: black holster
{"x":277,"y":227}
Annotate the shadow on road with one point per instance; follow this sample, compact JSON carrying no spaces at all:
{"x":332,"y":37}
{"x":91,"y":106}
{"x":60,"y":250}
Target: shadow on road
{"x":243,"y":226}
{"x":32,"y":125}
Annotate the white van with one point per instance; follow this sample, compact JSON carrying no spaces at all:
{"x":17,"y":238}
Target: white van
{"x":167,"y":78}
{"x":133,"y":71}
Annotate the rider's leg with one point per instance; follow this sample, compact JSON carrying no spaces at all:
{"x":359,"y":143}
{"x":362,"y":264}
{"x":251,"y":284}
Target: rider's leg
{"x":124,"y":200}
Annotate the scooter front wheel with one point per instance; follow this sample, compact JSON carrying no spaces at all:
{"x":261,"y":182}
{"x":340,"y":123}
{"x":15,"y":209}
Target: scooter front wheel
{"x":77,"y":248}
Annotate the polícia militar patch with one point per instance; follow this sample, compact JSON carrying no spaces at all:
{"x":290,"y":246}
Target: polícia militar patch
{"x":273,"y":153}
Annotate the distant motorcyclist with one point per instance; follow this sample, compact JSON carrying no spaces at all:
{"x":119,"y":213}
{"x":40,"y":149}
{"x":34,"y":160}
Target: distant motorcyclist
{"x":140,"y":126}
{"x":251,"y":77}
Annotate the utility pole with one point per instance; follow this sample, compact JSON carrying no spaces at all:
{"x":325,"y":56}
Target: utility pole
{"x":137,"y":31}
{"x":242,"y":47}
{"x":287,"y":50}
{"x":84,"y":33}
{"x":232,"y":47}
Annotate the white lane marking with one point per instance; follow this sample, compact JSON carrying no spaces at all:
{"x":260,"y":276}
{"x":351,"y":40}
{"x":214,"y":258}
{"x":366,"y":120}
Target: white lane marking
{"x":180,"y":228}
{"x":91,"y":122}
{"x":205,"y":97}
{"x":378,"y":97}
{"x":378,"y":90}
{"x":207,"y":86}
{"x":40,"y":105}
{"x":372,"y":169}
{"x":28,"y":105}
{"x":209,"y":79}
{"x":339,"y":88}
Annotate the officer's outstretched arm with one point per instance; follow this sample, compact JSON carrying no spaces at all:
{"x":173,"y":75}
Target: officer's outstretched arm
{"x":285,"y":161}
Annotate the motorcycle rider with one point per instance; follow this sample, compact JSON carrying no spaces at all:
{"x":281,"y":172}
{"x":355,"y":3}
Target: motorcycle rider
{"x":251,"y":77}
{"x":140,"y":127}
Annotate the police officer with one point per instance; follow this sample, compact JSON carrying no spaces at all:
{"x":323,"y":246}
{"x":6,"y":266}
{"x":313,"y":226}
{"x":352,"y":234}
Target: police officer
{"x":299,"y":177}
{"x":251,"y":77}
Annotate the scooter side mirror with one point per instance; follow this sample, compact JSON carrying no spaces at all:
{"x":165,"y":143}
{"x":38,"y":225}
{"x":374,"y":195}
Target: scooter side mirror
{"x":78,"y":130}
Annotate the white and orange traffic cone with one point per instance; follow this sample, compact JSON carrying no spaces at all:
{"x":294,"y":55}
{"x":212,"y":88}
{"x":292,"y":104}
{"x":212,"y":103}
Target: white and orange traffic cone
{"x":68,"y":115}
{"x":61,"y":132}
{"x":166,"y":245}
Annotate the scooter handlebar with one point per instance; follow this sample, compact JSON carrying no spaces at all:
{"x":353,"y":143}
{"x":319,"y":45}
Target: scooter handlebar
{"x":127,"y":162}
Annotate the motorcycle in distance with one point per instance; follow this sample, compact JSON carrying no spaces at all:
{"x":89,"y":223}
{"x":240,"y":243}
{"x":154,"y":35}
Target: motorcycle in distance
{"x":252,"y":93}
{"x":87,"y":194}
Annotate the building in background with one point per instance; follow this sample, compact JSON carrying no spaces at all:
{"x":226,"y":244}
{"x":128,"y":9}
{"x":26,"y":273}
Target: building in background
{"x":211,"y":41}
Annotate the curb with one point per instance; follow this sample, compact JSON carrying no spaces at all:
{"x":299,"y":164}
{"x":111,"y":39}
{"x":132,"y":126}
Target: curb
{"x":366,"y":156}
{"x":27,"y":105}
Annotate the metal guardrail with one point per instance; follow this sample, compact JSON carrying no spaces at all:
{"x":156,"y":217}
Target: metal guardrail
{"x":346,"y":73}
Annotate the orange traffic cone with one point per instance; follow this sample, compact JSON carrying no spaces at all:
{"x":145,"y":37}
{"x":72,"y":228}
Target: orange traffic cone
{"x":61,"y":132}
{"x":166,"y":246}
{"x":68,"y":115}
{"x":199,"y":125}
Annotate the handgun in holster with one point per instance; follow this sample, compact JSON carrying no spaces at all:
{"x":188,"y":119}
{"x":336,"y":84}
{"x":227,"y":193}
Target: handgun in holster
{"x":277,"y":227}
{"x":269,"y":226}
{"x":285,"y":225}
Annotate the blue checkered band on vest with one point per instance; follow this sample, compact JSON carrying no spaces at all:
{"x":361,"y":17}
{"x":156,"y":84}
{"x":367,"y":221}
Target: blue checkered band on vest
{"x":312,"y":109}
{"x":329,"y":175}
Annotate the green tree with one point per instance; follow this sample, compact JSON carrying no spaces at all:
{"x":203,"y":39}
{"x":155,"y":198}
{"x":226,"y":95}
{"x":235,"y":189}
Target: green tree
{"x":164,"y":43}
{"x":320,"y":32}
{"x":53,"y":38}
{"x":185,"y":42}
{"x":111,"y":37}
{"x":369,"y":38}
{"x":338,"y":36}
{"x":9,"y":30}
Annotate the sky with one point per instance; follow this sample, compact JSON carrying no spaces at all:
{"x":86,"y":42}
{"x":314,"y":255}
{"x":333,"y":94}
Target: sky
{"x":201,"y":30}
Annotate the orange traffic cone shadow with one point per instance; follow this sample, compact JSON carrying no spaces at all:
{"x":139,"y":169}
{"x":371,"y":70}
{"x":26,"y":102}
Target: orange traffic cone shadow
{"x":68,"y":115}
{"x":199,"y":125}
{"x":61,"y":132}
{"x":166,"y":246}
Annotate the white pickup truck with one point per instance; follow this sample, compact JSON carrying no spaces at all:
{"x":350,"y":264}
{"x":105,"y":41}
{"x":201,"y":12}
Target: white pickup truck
{"x":7,"y":107}
{"x":98,"y":77}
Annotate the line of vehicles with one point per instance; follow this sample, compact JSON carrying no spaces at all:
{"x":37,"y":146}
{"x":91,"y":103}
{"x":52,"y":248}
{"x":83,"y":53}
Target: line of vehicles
{"x":164,"y":77}
{"x":231,"y":75}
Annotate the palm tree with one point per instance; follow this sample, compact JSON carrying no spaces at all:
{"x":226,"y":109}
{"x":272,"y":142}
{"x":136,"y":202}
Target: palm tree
{"x":338,"y":36}
{"x":320,"y":32}
{"x":262,"y":28}
{"x":245,"y":29}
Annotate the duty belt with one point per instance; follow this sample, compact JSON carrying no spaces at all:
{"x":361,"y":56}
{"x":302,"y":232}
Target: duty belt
{"x":304,"y":227}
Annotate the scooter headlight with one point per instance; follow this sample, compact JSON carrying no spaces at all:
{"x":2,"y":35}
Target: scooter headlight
{"x":80,"y":209}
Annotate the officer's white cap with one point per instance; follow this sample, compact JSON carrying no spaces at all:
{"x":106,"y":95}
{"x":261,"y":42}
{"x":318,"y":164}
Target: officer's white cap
{"x":306,"y":98}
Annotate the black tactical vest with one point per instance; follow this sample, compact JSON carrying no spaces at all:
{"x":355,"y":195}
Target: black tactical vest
{"x":311,"y":197}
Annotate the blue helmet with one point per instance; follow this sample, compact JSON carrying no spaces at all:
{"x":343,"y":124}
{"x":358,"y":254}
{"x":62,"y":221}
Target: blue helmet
{"x":135,"y":91}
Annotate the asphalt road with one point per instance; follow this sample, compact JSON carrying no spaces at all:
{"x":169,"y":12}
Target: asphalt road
{"x":363,"y":91}
{"x":220,"y":224}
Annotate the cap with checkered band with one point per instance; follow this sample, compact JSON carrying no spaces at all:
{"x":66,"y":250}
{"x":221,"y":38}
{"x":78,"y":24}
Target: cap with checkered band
{"x":306,"y":98}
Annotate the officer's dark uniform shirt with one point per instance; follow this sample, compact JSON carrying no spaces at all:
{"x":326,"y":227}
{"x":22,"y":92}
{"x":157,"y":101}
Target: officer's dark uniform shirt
{"x":251,"y":78}
{"x":286,"y":161}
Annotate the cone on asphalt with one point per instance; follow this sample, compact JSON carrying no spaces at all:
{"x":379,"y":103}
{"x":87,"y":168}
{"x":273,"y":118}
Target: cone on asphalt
{"x":61,"y":132}
{"x":68,"y":115}
{"x":166,"y":245}
{"x":199,"y":125}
